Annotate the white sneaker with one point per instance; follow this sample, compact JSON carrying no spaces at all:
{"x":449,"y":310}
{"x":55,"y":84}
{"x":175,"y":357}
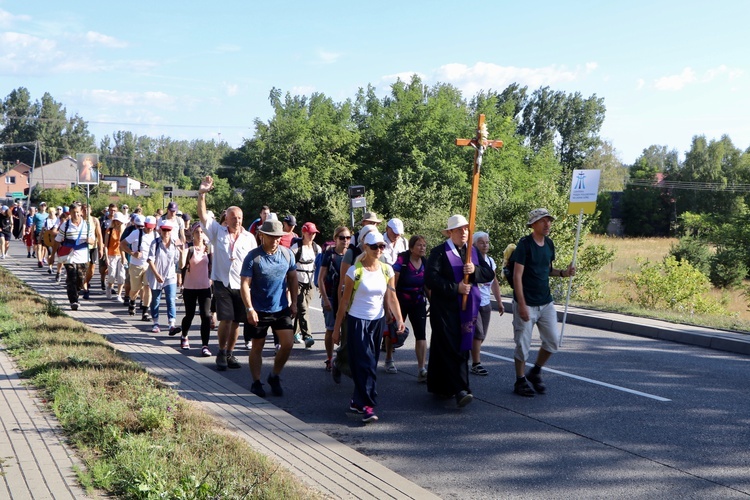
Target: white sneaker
{"x":155,"y":329}
{"x":422,"y":376}
{"x":390,"y":367}
{"x":120,"y":299}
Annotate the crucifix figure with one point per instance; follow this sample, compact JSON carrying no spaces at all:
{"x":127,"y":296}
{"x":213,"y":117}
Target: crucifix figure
{"x":480,"y":143}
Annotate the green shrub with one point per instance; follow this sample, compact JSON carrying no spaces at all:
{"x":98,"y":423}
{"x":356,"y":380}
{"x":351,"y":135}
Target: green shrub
{"x":727,"y":270}
{"x":673,"y":285}
{"x":694,"y":251}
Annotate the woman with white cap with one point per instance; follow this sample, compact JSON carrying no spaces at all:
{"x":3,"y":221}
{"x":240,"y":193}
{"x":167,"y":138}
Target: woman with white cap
{"x":368,"y":286}
{"x":452,"y":324}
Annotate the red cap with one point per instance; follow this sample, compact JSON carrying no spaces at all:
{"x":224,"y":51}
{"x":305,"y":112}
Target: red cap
{"x":309,"y":227}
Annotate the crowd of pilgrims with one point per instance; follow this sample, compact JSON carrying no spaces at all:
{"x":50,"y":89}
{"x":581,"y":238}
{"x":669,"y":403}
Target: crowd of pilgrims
{"x":264,"y":276}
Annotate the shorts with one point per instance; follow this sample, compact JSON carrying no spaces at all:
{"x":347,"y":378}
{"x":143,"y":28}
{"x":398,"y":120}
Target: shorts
{"x":7,"y":236}
{"x":137,"y":277}
{"x":329,"y":316}
{"x":483,"y":322}
{"x":417,"y":314}
{"x":545,"y":318}
{"x":229,"y":305}
{"x":37,"y":238}
{"x":93,"y":255}
{"x":281,"y":320}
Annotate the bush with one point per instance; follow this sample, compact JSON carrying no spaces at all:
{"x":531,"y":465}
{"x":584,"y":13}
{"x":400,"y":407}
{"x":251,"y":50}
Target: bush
{"x":673,"y":285}
{"x":727,"y":270}
{"x":694,"y":251}
{"x":586,"y":285}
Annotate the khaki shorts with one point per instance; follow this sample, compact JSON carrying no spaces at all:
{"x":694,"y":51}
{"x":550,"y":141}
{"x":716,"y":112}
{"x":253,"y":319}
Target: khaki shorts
{"x":137,"y":277}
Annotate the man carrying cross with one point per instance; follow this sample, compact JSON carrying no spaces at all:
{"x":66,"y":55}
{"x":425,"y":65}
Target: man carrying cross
{"x":451,"y":275}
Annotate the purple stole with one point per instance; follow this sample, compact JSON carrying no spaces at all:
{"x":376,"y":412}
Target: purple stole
{"x":467,"y":316}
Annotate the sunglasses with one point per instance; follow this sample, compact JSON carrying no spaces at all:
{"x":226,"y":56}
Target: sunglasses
{"x":342,"y":238}
{"x":378,"y":246}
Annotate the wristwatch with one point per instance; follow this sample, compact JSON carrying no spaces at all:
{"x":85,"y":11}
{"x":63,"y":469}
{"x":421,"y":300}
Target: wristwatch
{"x":249,"y":309}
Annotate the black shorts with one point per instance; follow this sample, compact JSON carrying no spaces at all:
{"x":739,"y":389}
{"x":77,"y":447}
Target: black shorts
{"x":7,"y":236}
{"x":229,"y":305}
{"x":93,"y":255}
{"x":281,"y":320}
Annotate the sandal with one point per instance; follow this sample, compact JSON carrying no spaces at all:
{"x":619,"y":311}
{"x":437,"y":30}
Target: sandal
{"x":480,"y":370}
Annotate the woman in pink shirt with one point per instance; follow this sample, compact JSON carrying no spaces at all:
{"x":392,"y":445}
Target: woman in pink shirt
{"x":196,"y":266}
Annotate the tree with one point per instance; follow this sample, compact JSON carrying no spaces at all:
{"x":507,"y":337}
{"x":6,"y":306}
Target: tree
{"x":647,"y":210}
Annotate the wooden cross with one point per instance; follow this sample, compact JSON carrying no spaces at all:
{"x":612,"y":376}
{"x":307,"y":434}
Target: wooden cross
{"x":480,"y":143}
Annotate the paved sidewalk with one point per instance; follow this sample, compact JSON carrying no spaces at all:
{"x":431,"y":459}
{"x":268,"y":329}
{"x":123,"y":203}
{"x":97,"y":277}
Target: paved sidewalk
{"x":320,"y":461}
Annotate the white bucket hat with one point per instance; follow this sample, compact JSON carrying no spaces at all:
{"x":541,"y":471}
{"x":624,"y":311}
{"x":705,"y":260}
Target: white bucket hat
{"x":456,"y":221}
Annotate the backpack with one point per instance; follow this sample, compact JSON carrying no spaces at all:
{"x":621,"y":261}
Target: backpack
{"x":332,"y":278}
{"x":186,"y":268}
{"x":316,"y":262}
{"x":525,"y":241}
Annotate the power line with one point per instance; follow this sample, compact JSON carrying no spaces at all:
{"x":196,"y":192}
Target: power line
{"x":691,"y":186}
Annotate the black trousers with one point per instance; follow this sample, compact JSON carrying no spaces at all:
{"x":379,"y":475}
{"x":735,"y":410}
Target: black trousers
{"x":76,"y":273}
{"x":201,"y":297}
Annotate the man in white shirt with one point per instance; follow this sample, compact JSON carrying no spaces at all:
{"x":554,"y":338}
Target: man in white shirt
{"x":72,"y":235}
{"x":305,"y":252}
{"x":230,"y":244}
{"x":137,"y":245}
{"x":395,"y":243}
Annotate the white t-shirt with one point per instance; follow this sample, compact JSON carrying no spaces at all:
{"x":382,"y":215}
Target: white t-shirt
{"x":75,"y":234}
{"x":132,"y":242}
{"x":390,"y":254}
{"x":370,"y":295}
{"x":486,"y":288}
{"x":306,"y":263}
{"x":228,"y":252}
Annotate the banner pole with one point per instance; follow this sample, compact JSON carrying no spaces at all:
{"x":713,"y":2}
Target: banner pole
{"x":570,"y":278}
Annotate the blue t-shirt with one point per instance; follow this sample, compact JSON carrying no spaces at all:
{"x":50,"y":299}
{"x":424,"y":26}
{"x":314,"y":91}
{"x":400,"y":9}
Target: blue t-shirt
{"x":39,"y":219}
{"x":268,"y":285}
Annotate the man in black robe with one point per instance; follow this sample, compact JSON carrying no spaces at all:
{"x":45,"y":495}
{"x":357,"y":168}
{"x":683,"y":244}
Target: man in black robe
{"x":452,"y":326}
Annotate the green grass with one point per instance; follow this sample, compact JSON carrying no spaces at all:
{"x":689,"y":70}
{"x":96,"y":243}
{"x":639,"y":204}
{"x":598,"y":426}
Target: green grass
{"x":137,"y":438}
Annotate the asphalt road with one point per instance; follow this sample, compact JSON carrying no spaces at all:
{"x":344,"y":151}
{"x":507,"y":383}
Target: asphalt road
{"x":624,"y":416}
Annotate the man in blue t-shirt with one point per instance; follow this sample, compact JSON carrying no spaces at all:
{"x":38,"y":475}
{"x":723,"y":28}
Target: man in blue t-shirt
{"x":268,"y":272}
{"x":38,"y":220}
{"x":532,"y":300}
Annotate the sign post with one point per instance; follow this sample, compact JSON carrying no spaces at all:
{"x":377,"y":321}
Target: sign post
{"x":583,"y":191}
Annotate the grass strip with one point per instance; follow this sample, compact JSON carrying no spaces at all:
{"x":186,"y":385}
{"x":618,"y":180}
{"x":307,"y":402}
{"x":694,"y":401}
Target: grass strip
{"x":137,"y":438}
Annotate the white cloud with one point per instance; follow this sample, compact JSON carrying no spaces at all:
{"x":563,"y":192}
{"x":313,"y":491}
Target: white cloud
{"x":8,"y":20}
{"x":107,"y":41}
{"x":228,"y":47}
{"x":485,"y":76}
{"x":231,"y":89}
{"x":640,"y":83}
{"x":675,"y":82}
{"x":302,"y":90}
{"x":100,"y":97}
{"x":328,"y":57}
{"x":27,"y":54}
{"x":688,"y":76}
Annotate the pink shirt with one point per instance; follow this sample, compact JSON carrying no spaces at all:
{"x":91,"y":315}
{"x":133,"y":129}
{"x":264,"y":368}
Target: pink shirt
{"x":196,"y":278}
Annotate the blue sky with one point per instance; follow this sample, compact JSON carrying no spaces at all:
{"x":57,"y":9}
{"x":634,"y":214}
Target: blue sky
{"x":668,"y":70}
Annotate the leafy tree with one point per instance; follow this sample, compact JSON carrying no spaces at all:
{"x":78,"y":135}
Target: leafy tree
{"x":647,"y":210}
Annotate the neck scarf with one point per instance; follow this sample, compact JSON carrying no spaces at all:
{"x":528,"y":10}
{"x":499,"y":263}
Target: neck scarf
{"x":467,"y":316}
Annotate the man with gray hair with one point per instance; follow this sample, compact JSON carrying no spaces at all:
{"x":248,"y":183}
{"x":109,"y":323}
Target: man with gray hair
{"x":532,"y":300}
{"x":230,"y":243}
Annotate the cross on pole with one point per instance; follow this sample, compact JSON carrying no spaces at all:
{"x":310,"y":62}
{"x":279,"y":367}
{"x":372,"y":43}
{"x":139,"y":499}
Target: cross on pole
{"x":480,"y":143}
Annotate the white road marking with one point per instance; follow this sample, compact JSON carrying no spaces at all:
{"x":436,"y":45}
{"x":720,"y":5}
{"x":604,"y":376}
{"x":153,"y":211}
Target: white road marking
{"x":584,"y":379}
{"x":576,"y":377}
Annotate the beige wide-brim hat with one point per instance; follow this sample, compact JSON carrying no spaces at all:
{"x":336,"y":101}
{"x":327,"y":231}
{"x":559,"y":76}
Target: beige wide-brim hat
{"x":272,"y":228}
{"x":371,"y":217}
{"x":454,"y":222}
{"x":536,"y":214}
